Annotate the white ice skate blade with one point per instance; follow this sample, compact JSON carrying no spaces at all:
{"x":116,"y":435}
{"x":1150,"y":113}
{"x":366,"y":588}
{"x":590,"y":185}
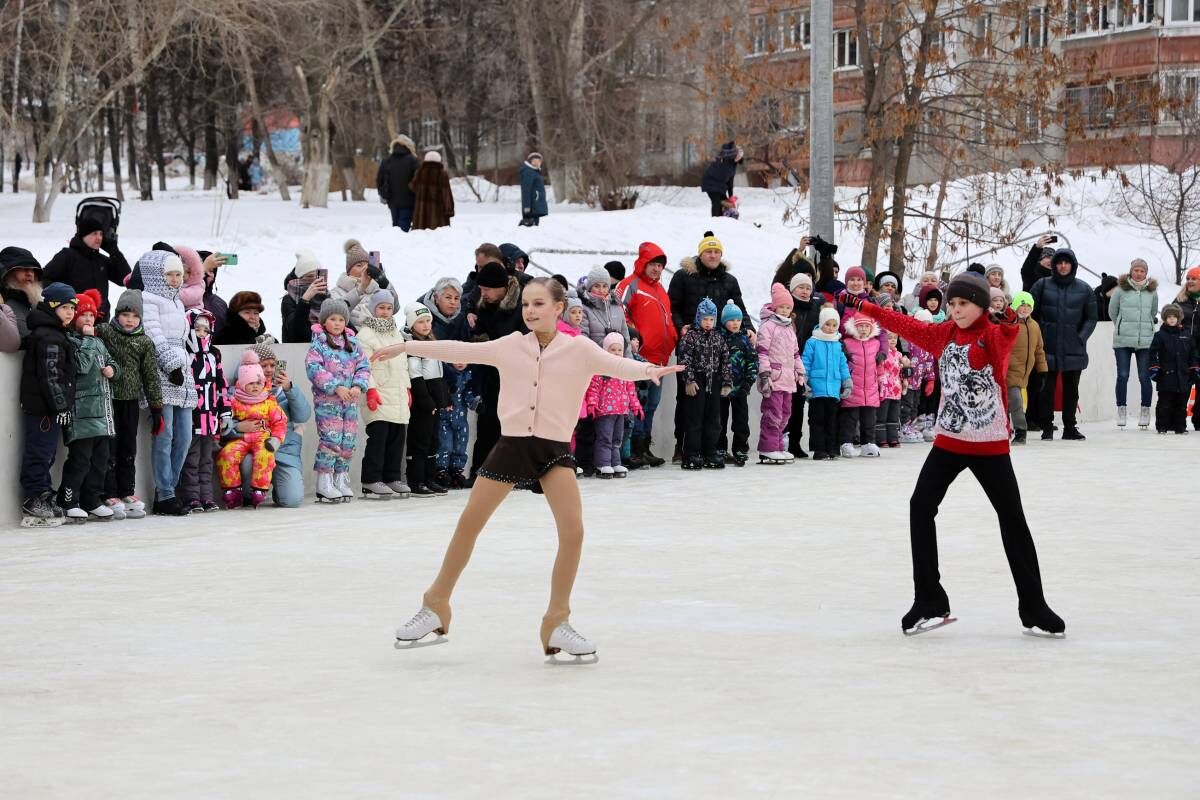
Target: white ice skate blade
{"x":559,"y":659}
{"x":927,"y":625}
{"x":1038,"y":633}
{"x":413,"y":644}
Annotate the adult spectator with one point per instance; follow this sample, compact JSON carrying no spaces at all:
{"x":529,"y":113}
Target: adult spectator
{"x":516,"y":261}
{"x":889,"y":283}
{"x":444,"y":301}
{"x":911,"y":302}
{"x":287,"y":481}
{"x":1134,"y":310}
{"x":493,"y":311}
{"x":362,"y":279}
{"x":213,"y":304}
{"x":1188,"y":301}
{"x":1065,"y":308}
{"x":995,"y":278}
{"x":433,"y":202}
{"x":717,"y":181}
{"x":20,"y":284}
{"x":305,"y":288}
{"x":602,"y":314}
{"x":1037,"y":263}
{"x":533,"y":191}
{"x":393,"y":180}
{"x":705,"y":275}
{"x":82,"y":266}
{"x":483,"y":254}
{"x":1104,"y":292}
{"x":793,"y":263}
{"x":244,"y":323}
{"x":648,"y":309}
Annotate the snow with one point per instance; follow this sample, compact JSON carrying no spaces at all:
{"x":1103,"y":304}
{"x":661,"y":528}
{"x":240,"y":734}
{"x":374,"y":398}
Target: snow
{"x":748,"y":637}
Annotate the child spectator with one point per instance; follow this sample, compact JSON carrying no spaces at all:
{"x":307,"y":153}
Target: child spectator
{"x":860,"y":408}
{"x":920,"y":378}
{"x":453,"y":428}
{"x":999,"y":300}
{"x":729,"y":207}
{"x":86,"y":435}
{"x":252,"y":401}
{"x":389,"y":392}
{"x":429,"y":399}
{"x":339,"y":373}
{"x":743,"y":368}
{"x":887,"y":422}
{"x":706,"y":379}
{"x":828,"y":376}
{"x":608,"y":401}
{"x":208,"y":417}
{"x":1028,"y":356}
{"x":931,"y":301}
{"x":137,"y":378}
{"x":161,"y":275}
{"x":635,"y":458}
{"x":47,"y":399}
{"x":1174,"y":366}
{"x":780,"y":374}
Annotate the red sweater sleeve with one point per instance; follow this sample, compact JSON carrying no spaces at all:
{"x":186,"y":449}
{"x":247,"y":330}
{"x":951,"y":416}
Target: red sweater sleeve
{"x":999,"y":341}
{"x":930,"y":337}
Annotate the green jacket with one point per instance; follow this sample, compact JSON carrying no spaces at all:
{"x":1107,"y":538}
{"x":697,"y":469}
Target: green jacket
{"x":93,"y":396}
{"x":134,"y":354}
{"x":1133,"y":312}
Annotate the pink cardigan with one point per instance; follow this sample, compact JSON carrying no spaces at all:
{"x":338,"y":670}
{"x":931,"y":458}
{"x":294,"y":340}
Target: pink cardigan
{"x":540,"y":391}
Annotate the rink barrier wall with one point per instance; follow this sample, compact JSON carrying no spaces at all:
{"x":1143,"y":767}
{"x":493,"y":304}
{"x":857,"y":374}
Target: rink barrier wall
{"x":1096,"y":401}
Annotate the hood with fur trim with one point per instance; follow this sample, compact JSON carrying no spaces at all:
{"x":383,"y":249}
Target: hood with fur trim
{"x":692,"y":264}
{"x":1125,"y":283}
{"x":850,"y":326}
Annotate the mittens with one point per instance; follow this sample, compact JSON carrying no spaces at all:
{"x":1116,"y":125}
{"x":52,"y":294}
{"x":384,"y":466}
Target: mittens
{"x":156,"y":421}
{"x":373,"y":399}
{"x":764,"y":385}
{"x":847,"y":389}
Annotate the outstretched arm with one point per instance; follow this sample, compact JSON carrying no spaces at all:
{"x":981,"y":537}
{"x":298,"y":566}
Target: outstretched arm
{"x":454,"y":352}
{"x":602,"y":362}
{"x":929,"y":336}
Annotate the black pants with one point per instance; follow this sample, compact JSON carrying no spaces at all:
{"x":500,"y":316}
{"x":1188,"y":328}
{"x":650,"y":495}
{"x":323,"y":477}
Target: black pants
{"x":887,"y":422}
{"x":795,"y":425}
{"x":680,"y":414}
{"x":995,"y":475}
{"x":703,"y":416}
{"x":1033,"y":401}
{"x":422,"y":446}
{"x":858,"y":424}
{"x":487,"y":428}
{"x":1195,"y":409}
{"x":910,"y":405}
{"x":122,"y":455}
{"x":740,"y":408}
{"x":37,"y":456}
{"x":823,"y":424}
{"x":83,"y":473}
{"x":383,"y":457}
{"x":717,"y":198}
{"x":1170,"y":414}
{"x":1070,"y":397}
{"x":585,"y":445}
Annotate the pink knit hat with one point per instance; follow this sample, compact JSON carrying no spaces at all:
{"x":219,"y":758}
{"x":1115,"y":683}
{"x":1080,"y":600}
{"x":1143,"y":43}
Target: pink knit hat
{"x":780,"y":296}
{"x":249,"y":372}
{"x":856,"y":272}
{"x":614,"y":338}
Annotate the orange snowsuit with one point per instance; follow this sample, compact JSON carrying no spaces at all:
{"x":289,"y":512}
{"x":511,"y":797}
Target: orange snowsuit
{"x":229,"y":461}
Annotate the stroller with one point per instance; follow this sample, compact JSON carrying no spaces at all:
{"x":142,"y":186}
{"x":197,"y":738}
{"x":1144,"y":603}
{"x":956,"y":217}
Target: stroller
{"x":105,"y":210}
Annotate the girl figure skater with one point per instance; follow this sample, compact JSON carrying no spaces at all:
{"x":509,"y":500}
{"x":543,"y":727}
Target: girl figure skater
{"x":543,"y":377}
{"x":972,"y":349}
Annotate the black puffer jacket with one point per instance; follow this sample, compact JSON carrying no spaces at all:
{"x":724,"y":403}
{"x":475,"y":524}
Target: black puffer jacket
{"x":1190,"y":306}
{"x":48,"y":371}
{"x":395,"y":174}
{"x":83,"y":268}
{"x":693,"y":282}
{"x":1173,"y":356}
{"x":718,"y":177}
{"x":806,"y":316}
{"x":1065,"y":307}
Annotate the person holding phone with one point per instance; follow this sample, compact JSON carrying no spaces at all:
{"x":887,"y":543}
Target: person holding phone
{"x":306,"y":287}
{"x":364,"y":277}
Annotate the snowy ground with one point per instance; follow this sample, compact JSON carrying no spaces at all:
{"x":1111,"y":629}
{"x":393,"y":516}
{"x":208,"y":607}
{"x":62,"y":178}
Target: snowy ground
{"x":747,"y":622}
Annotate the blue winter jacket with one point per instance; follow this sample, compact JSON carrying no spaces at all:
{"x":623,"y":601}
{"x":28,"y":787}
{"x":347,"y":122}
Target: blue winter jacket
{"x":533,"y":192}
{"x":298,"y":410}
{"x":825,"y":363}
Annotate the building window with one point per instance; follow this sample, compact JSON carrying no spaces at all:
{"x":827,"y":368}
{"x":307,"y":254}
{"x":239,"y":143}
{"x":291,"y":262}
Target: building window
{"x":1181,"y":91}
{"x":845,"y":49}
{"x":1127,"y":103}
{"x":803,"y":110}
{"x":759,"y":38}
{"x":1183,"y":10}
{"x":1134,"y":12}
{"x":1029,"y":124}
{"x":658,"y":59}
{"x":796,"y":31}
{"x":656,"y":132}
{"x":1035,"y":29}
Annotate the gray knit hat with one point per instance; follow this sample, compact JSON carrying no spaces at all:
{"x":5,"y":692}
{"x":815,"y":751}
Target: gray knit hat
{"x":382,"y":296}
{"x":331,"y":307}
{"x":447,"y":283}
{"x":264,"y":352}
{"x":355,"y":254}
{"x":598,"y":275}
{"x":970,"y":286}
{"x":130,"y":300}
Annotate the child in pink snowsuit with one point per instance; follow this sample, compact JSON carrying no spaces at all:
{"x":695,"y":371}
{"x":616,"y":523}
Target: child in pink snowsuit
{"x":891,"y":389}
{"x":780,"y":372}
{"x":857,"y":416}
{"x":608,"y":401}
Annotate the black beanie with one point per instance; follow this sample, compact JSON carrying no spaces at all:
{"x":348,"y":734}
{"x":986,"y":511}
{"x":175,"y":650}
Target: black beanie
{"x":17,"y":258}
{"x":86,"y":225}
{"x":972,"y":287}
{"x":616,"y":269}
{"x":492,"y":276}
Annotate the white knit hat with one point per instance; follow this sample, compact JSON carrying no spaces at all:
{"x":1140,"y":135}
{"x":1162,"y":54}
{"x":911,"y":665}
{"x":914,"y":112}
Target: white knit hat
{"x":923,"y":315}
{"x":798,"y":279}
{"x":828,"y":313}
{"x":306,"y":262}
{"x":433,"y":155}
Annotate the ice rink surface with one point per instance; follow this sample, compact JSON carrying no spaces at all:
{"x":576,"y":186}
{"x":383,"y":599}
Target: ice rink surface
{"x":748,"y":624}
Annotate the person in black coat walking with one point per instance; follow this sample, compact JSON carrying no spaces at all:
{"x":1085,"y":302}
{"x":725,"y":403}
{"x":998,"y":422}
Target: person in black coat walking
{"x":1037,"y":263}
{"x":1065,"y":308}
{"x":717,"y":181}
{"x":82,"y":266}
{"x":1174,"y":365}
{"x":393,"y":178}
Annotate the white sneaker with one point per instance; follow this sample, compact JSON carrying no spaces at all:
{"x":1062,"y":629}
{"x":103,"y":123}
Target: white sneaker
{"x":850,"y":451}
{"x":1122,"y":416}
{"x":566,"y":639}
{"x":870,"y":450}
{"x":341,"y":482}
{"x":326,"y":491}
{"x":76,"y":516}
{"x":102,"y":512}
{"x":1144,"y":417}
{"x":424,"y":623}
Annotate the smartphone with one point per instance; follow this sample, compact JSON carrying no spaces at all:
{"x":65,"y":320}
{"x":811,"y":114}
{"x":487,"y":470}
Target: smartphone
{"x":1051,"y":239}
{"x":281,"y":365}
{"x":373,"y":258}
{"x":322,"y":274}
{"x":231,"y":259}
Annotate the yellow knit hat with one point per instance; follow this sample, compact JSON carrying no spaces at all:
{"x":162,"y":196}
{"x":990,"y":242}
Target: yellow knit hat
{"x":709,"y":242}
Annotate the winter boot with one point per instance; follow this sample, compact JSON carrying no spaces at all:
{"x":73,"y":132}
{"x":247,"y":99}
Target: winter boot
{"x":692,"y":462}
{"x":1122,"y":416}
{"x":739,"y":459}
{"x":1018,"y":437}
{"x":169,"y":507}
{"x":651,"y":459}
{"x":257,"y":496}
{"x":433,"y":477}
{"x":1072,"y":434}
{"x":457,"y":479}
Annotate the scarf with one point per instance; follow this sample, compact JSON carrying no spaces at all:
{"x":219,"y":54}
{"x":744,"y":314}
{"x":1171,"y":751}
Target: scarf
{"x":296,"y":288}
{"x":251,"y":399}
{"x":381,"y":325}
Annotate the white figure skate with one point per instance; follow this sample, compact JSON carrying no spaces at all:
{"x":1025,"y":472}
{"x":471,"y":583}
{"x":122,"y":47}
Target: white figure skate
{"x":411,"y":634}
{"x":568,"y":641}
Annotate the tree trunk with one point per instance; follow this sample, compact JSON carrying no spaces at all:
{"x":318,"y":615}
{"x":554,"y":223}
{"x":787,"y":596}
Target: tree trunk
{"x":131,"y":150}
{"x":876,"y":200}
{"x":154,"y":139}
{"x":211,"y":155}
{"x":98,"y":138}
{"x":364,"y":25}
{"x":318,"y":168}
{"x":904,"y":151}
{"x":935,"y":236}
{"x":231,"y":153}
{"x":256,"y":109}
{"x":46,"y":189}
{"x":114,"y":148}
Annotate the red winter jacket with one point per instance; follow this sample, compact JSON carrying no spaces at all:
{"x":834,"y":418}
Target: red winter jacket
{"x":648,"y":308}
{"x":972,"y":362}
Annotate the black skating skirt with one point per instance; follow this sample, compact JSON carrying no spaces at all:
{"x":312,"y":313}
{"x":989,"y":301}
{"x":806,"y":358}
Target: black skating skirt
{"x":523,"y":460}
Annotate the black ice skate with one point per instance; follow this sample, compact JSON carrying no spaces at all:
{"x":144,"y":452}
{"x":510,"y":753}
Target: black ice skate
{"x":926,"y":615}
{"x":1040,"y":621}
